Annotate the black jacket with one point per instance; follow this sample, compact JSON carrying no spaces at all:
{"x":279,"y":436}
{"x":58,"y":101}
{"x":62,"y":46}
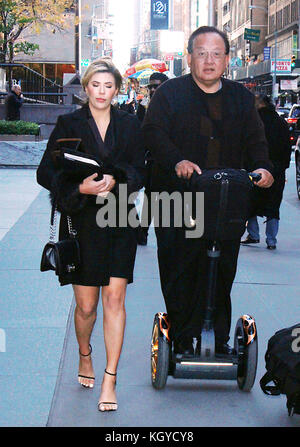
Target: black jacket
{"x":13,"y":104}
{"x":267,"y":201}
{"x":125,"y":162}
{"x":172,"y":129}
{"x":278,"y":138}
{"x":105,"y":251}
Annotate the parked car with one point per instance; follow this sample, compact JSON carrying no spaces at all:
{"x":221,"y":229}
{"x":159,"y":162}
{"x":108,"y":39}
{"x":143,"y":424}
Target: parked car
{"x":297,"y":165}
{"x":293,"y":121}
{"x":283,"y":111}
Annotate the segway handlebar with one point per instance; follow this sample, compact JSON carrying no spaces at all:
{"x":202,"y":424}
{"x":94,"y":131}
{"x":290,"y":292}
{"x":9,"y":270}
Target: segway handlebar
{"x":254,"y":177}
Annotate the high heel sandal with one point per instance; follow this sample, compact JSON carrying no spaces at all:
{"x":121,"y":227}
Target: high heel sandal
{"x":86,"y":377}
{"x":103,"y":404}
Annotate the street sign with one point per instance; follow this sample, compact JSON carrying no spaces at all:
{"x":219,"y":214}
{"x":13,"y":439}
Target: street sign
{"x":159,"y":16}
{"x":169,"y":57}
{"x":236,"y":62}
{"x":289,"y":84}
{"x":252,"y":34}
{"x":267,"y":53}
{"x":85,"y":62}
{"x":282,"y":66}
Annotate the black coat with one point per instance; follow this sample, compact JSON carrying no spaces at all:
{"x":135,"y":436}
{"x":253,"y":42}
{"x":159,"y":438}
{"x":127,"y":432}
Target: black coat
{"x":13,"y":104}
{"x":267,"y":201}
{"x":278,"y":138}
{"x":125,"y":161}
{"x":173,"y":123}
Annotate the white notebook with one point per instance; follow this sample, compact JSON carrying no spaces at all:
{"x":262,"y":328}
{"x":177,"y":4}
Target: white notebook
{"x":81,"y":159}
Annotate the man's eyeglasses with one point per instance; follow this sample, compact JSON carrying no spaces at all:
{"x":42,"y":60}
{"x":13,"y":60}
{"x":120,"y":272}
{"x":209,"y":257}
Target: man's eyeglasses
{"x":203,"y":54}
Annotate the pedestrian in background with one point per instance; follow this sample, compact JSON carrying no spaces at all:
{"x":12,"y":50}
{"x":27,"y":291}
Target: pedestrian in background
{"x":267,"y":202}
{"x":107,"y":253}
{"x":13,"y":103}
{"x":156,"y":79}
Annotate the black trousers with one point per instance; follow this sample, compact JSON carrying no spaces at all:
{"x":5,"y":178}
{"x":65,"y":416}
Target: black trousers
{"x":183,"y":266}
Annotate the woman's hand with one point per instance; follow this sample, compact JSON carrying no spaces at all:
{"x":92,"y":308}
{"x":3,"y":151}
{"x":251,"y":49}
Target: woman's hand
{"x":93,"y":187}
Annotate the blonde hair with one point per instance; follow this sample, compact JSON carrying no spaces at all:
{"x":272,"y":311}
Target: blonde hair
{"x":103,"y":65}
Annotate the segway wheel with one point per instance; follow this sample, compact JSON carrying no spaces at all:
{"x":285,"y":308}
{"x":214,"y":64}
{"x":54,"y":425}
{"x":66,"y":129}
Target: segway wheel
{"x":245,"y":344}
{"x":160,"y":354}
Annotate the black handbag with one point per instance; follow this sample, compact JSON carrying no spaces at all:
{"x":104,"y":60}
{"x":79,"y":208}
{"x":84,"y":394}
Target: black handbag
{"x":61,"y":256}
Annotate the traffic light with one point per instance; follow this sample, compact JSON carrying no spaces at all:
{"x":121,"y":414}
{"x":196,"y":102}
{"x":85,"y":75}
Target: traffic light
{"x":293,"y":61}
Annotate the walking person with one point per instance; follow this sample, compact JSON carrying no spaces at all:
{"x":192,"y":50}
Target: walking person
{"x":269,"y":201}
{"x":155,"y":80}
{"x":107,"y":253}
{"x":194,"y":122}
{"x":13,"y":103}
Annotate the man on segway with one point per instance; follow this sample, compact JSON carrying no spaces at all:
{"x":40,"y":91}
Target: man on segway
{"x":195,"y":122}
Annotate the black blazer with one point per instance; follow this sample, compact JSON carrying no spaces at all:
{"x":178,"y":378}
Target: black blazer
{"x":125,"y":161}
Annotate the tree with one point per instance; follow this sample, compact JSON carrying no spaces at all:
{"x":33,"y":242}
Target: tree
{"x":18,"y":15}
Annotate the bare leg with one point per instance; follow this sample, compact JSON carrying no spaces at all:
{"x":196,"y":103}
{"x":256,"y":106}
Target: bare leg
{"x":114,"y":318}
{"x":84,"y":317}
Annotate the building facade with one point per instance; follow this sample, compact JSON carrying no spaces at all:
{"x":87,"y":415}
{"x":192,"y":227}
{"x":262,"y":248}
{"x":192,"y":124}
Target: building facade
{"x":276,"y":25}
{"x":56,"y":55}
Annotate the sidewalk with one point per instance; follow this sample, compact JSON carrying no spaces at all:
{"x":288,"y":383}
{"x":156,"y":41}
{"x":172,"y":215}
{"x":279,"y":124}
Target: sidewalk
{"x":38,"y":367}
{"x":21,"y":154}
{"x":34,"y":309}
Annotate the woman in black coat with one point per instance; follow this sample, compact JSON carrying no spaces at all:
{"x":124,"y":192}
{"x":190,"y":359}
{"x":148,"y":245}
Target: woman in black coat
{"x":267,"y":202}
{"x":107,"y":253}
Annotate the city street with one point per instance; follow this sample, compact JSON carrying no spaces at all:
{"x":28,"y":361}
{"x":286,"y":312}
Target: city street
{"x":39,"y":355}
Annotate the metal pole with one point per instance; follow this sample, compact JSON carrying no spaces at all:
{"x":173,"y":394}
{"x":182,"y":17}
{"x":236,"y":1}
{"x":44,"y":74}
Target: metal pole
{"x":274,"y":74}
{"x":275,"y":67}
{"x":77,"y":36}
{"x":171,"y":28}
{"x":211,"y":13}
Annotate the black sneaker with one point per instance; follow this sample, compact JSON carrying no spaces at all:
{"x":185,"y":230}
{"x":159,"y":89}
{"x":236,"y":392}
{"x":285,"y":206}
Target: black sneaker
{"x":271,"y":247}
{"x":249,"y":240}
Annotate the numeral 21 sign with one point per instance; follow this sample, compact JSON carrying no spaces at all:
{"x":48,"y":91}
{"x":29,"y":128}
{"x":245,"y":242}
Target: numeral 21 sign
{"x":159,"y":14}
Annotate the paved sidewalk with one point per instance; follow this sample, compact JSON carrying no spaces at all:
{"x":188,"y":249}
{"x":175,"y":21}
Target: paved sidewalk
{"x":34,"y":309}
{"x":38,"y":366}
{"x":21,"y":153}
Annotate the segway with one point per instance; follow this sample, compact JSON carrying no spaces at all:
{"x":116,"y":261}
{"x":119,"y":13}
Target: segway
{"x":207,"y":364}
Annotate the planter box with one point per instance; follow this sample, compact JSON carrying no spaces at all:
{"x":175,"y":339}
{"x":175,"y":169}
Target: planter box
{"x":20,"y":138}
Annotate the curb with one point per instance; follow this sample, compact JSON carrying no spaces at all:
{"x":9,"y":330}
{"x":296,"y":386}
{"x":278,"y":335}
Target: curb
{"x":61,"y":365}
{"x":4,"y":166}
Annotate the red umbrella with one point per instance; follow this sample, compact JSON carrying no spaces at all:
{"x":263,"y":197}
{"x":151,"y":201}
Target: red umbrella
{"x":154,"y":64}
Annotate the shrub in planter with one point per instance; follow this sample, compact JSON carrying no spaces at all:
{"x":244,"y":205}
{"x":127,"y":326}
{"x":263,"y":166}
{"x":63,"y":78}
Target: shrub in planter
{"x":18,"y":128}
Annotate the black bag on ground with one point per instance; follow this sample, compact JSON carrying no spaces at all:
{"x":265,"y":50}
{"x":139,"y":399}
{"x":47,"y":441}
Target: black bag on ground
{"x":226,"y":201}
{"x":283,"y":367}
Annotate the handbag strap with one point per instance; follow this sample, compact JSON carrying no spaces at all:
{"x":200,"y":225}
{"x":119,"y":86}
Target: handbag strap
{"x":53,"y":221}
{"x":53,"y":224}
